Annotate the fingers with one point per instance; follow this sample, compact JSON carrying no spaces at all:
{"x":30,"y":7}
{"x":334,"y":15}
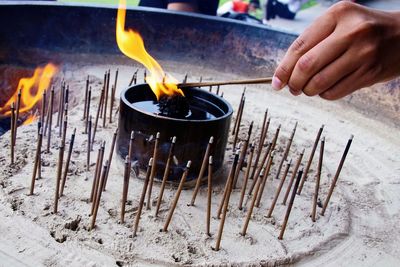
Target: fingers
{"x":318,"y":31}
{"x":316,"y":59}
{"x":331,"y":74}
{"x":346,"y":86}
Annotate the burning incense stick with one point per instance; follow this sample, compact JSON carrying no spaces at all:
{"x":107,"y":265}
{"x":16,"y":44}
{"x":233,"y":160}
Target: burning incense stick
{"x":296,"y":168}
{"x":86,"y":98}
{"x":88,"y":143}
{"x":141,"y":202}
{"x":304,"y":178}
{"x":265,"y":178}
{"x":97,"y":116}
{"x":253,"y":201}
{"x":98,"y":195}
{"x":12,"y":131}
{"x":58,"y":178}
{"x":177,"y":195}
{"x":125,"y":188}
{"x":278,"y":190}
{"x":110,"y":156}
{"x":339,"y":169}
{"x":228,"y":183}
{"x":260,"y":146}
{"x":248,"y":81}
{"x":71,"y":146}
{"x":50,"y":119}
{"x":202,"y":170}
{"x":209,"y":194}
{"x":97,"y":171}
{"x":226,"y":204}
{"x":289,"y":208}
{"x":153,"y":170}
{"x":257,"y":174}
{"x":87,"y":111}
{"x":165,"y":176}
{"x":318,"y":179}
{"x":286,"y":153}
{"x":246,"y":177}
{"x":37,"y":160}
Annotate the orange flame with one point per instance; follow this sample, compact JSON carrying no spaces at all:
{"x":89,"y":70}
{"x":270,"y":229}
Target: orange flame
{"x":32,"y":89}
{"x":31,"y":118}
{"x":131,"y":44}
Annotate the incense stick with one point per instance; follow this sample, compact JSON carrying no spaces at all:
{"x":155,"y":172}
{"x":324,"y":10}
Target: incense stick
{"x":257,"y":174}
{"x":251,"y":208}
{"x":110,"y":156}
{"x":202,"y":170}
{"x":71,"y":146}
{"x":227,"y":185}
{"x":141,"y":202}
{"x":289,"y":208}
{"x":226,"y":204}
{"x":125,"y":188}
{"x":318,"y":179}
{"x":58,"y":178}
{"x":234,"y":82}
{"x":97,"y":116}
{"x":97,"y":172}
{"x":86,"y":98}
{"x":153,"y":170}
{"x":88,"y":144}
{"x":279,"y":189}
{"x":296,"y":168}
{"x":37,"y":161}
{"x":12,"y":131}
{"x":238,"y":124}
{"x":98,"y":195}
{"x":238,"y":112}
{"x":50,"y":119}
{"x":286,"y":153}
{"x":87,"y":111}
{"x":209,"y":194}
{"x":304,"y":178}
{"x":246,"y":177}
{"x":265,"y":178}
{"x":339,"y":169}
{"x":260,"y":146}
{"x":177,"y":195}
{"x":134,"y":77}
{"x":165,"y":176}
{"x":17,"y":108}
{"x":107,"y":88}
{"x":242,"y":156}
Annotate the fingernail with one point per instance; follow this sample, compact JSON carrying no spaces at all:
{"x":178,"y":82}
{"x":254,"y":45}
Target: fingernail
{"x":276,"y":83}
{"x":294,"y":92}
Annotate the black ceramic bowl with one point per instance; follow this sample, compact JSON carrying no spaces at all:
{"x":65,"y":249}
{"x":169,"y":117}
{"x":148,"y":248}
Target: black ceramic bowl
{"x":211,"y":116}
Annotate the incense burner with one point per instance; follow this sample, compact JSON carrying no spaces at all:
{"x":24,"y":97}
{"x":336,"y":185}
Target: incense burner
{"x":209,"y":115}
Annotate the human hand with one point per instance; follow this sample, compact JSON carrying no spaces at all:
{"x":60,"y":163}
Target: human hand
{"x":347,"y":48}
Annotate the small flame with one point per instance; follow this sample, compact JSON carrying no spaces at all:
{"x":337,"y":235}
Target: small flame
{"x":131,"y":44}
{"x":32,"y":89}
{"x":30,"y":119}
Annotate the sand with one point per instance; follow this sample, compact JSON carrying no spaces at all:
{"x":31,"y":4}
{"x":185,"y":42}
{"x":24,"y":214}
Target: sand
{"x":360,"y":227}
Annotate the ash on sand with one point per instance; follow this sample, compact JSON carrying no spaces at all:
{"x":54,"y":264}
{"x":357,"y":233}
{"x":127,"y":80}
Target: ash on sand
{"x":360,"y":226}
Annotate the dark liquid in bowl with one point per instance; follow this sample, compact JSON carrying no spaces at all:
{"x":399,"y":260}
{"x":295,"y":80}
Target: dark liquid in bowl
{"x":195,"y":112}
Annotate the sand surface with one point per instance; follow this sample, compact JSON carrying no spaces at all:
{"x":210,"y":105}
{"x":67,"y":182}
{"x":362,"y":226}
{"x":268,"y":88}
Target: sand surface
{"x":360,"y":227}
